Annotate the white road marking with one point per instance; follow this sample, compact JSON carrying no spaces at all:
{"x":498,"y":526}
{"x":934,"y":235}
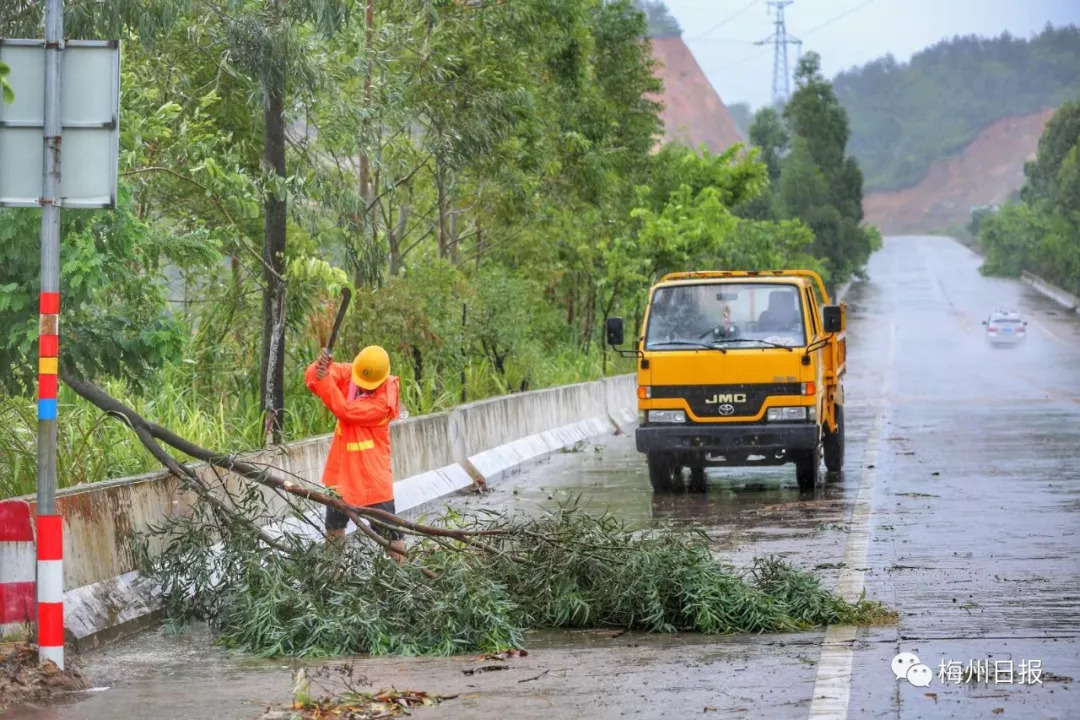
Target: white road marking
{"x":832,"y":685}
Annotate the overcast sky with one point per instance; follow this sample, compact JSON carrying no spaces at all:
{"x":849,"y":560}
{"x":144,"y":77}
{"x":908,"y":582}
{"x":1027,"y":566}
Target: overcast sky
{"x":844,"y":32}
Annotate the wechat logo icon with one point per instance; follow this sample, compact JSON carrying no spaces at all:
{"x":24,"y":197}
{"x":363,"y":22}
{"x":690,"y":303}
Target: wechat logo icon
{"x":906,"y":666}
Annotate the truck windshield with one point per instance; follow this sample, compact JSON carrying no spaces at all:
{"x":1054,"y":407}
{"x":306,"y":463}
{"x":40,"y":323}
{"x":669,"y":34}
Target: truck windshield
{"x":726,"y":316}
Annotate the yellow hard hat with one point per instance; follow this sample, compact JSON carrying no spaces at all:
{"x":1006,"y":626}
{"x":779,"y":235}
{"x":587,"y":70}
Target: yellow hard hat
{"x":370,"y":367}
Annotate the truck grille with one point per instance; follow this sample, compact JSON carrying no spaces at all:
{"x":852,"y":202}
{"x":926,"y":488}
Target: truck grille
{"x":747,"y":399}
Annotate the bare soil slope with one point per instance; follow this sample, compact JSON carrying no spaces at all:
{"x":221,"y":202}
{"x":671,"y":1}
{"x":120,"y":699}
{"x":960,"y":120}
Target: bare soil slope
{"x":987,"y":171}
{"x":693,"y":112}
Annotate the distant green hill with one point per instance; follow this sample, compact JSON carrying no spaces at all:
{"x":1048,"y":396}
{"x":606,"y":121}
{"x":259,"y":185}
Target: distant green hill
{"x":903,"y":116}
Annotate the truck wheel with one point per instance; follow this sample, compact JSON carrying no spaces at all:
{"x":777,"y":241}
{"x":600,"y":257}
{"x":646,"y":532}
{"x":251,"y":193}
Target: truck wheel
{"x":807,"y":465}
{"x":665,"y":475}
{"x":834,"y":444}
{"x":697,"y":479}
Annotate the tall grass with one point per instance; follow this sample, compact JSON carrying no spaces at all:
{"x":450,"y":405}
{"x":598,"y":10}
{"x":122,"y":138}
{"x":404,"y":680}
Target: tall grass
{"x":93,"y":447}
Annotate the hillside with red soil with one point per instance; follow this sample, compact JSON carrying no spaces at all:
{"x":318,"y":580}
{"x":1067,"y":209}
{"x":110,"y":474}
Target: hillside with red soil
{"x":693,"y":112}
{"x":989,"y":169}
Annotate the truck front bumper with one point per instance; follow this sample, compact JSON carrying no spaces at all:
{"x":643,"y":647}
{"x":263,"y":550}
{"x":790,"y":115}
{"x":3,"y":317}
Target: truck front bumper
{"x":758,"y":438}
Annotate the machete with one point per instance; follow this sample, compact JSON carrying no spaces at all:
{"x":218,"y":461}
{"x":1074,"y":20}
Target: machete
{"x":346,"y":296}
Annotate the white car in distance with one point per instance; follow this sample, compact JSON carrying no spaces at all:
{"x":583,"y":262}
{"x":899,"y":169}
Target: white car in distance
{"x":1005,"y":327}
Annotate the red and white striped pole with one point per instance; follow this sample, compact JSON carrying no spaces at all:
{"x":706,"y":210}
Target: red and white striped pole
{"x":16,"y":567}
{"x":50,"y":538}
{"x":50,"y":589}
{"x":50,"y":527}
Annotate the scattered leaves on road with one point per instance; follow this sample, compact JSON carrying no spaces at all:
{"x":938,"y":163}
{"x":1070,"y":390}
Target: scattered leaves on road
{"x":360,"y":706}
{"x":347,"y":702}
{"x":484,"y":669}
{"x":1051,"y":677}
{"x":504,"y":655}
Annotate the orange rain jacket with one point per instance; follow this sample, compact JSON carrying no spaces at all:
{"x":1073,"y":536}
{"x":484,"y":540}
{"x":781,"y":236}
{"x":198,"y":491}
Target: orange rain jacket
{"x":359,"y":462}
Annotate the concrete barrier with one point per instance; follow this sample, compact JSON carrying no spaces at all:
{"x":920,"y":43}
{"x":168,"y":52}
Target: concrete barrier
{"x":1062,"y":297}
{"x":18,"y":567}
{"x":433,"y":455}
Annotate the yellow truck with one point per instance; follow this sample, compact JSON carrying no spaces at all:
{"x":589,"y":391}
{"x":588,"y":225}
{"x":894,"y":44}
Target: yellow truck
{"x":739,"y":368}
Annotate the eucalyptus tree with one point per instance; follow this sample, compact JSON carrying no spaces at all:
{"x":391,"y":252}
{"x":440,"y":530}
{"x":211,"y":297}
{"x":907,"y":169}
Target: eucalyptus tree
{"x":272,"y":46}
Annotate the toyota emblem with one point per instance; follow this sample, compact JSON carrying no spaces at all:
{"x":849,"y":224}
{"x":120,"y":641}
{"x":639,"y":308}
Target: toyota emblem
{"x":726,"y":409}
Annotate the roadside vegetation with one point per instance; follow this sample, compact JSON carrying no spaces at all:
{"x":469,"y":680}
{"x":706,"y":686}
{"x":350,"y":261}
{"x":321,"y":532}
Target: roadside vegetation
{"x":1040,"y":233}
{"x":906,"y":115}
{"x":482,"y":176}
{"x":814,"y":183}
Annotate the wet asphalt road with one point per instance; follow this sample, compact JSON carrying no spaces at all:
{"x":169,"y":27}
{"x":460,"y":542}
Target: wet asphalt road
{"x":959,"y":506}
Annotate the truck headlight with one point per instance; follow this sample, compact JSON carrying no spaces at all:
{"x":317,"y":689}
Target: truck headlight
{"x":667,"y":416}
{"x":786,"y":414}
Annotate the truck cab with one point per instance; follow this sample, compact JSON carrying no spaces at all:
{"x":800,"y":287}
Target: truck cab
{"x":739,"y":368}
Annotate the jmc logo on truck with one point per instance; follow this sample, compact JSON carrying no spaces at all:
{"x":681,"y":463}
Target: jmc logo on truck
{"x":729,"y":398}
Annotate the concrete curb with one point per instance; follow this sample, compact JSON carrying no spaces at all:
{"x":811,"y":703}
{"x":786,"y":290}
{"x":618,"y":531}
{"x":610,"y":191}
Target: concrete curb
{"x":415,"y":492}
{"x":1062,"y":297}
{"x":510,"y":458}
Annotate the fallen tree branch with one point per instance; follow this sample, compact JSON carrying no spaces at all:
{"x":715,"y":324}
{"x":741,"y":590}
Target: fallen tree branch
{"x":138,"y":425}
{"x":149,"y":433}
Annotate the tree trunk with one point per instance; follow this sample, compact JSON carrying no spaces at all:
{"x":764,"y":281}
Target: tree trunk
{"x":590,"y":310}
{"x":440,"y":182}
{"x":453,"y":238}
{"x":464,"y":350}
{"x":272,"y":370}
{"x":394,"y":238}
{"x":570,"y":304}
{"x":365,"y":162}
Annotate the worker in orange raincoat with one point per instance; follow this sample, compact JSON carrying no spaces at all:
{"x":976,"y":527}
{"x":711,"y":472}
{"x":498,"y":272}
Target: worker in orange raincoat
{"x":364,"y":397}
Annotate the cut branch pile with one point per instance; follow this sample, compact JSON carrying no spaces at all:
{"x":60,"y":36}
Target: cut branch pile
{"x":471,"y":583}
{"x":23,"y":679}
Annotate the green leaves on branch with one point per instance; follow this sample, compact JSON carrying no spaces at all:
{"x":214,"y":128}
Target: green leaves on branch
{"x":113,"y":295}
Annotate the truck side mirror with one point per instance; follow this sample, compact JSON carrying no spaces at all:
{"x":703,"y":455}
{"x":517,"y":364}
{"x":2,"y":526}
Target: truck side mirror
{"x":832,"y":318}
{"x":614,"y":331}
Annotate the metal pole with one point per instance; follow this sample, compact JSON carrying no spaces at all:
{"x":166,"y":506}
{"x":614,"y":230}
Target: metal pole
{"x":50,"y":580}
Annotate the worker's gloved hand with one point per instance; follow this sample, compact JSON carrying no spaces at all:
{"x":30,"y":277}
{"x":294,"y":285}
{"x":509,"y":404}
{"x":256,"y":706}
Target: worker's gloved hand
{"x":323,"y":365}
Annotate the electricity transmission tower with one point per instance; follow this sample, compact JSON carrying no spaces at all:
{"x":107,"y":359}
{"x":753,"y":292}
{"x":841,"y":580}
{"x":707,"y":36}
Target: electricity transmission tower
{"x":780,"y":39}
